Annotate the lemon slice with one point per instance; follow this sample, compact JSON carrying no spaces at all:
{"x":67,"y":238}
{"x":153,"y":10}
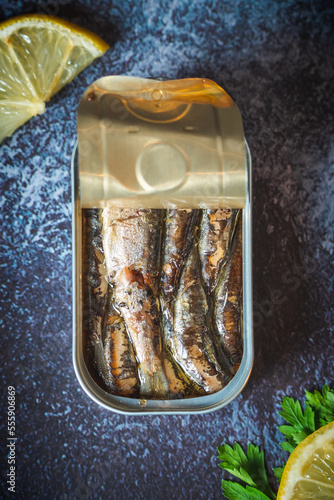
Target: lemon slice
{"x":309,"y":472}
{"x":39,"y":54}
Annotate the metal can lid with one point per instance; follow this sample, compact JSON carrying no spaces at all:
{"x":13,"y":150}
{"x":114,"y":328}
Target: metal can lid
{"x":154,"y":144}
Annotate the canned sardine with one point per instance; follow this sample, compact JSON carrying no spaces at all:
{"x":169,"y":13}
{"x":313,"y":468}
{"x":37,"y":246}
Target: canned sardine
{"x":162,"y":303}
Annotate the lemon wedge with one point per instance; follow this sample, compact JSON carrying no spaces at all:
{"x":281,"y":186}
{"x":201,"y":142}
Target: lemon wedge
{"x":309,"y":472}
{"x":39,"y":54}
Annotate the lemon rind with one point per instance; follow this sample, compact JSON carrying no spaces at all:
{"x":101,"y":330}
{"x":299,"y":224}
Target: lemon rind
{"x":80,"y":36}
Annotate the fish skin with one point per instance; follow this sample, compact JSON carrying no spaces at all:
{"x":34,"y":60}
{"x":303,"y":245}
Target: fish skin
{"x":95,"y":289}
{"x":180,"y":226}
{"x":228,"y":303}
{"x":141,"y":313}
{"x":119,"y":356}
{"x":179,"y":234}
{"x":216,"y":232}
{"x":95,"y":285}
{"x":131,"y":239}
{"x":191,"y":343}
{"x":180,"y":385}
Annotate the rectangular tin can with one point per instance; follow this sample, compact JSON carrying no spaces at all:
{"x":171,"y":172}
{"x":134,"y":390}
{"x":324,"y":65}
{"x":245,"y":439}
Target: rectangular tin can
{"x":132,"y":406}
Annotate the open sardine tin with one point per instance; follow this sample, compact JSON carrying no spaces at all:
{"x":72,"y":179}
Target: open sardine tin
{"x":149,"y":152}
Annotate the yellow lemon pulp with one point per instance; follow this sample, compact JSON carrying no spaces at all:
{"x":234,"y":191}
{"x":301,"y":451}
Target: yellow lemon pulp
{"x":309,"y":472}
{"x":39,"y":54}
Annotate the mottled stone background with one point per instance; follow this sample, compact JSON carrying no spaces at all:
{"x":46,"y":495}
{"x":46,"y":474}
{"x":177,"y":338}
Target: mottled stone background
{"x":276,"y":60}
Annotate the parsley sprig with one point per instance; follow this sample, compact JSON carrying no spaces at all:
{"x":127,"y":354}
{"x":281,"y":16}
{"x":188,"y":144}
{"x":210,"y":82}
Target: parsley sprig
{"x":249,"y":467}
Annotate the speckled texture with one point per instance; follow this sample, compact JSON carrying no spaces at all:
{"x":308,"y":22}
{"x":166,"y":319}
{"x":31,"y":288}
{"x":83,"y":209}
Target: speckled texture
{"x":276,"y":60}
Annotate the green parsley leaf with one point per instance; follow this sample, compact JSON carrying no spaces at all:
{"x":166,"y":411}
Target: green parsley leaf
{"x":288,"y":447}
{"x":249,"y":468}
{"x":278,"y":471}
{"x":234,"y":491}
{"x":322,"y":404}
{"x":302,"y":423}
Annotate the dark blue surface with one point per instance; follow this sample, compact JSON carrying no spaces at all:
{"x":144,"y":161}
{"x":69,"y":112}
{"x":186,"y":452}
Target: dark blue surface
{"x":276,"y":60}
